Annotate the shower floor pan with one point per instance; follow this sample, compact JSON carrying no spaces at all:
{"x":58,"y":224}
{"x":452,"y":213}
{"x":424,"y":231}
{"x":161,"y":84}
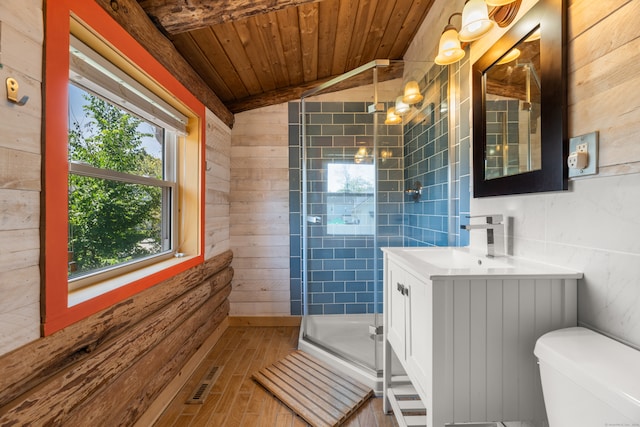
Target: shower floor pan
{"x":344,"y":343}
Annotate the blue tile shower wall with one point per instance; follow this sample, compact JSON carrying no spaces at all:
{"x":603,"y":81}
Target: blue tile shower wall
{"x":342,"y":268}
{"x":422,"y":154}
{"x":461,"y":164}
{"x":426,"y":150}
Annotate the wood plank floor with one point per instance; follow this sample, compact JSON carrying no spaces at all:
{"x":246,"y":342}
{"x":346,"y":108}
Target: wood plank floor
{"x":237,"y":400}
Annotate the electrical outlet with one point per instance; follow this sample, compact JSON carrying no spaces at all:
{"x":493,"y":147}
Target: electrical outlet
{"x":578,"y":160}
{"x":583,"y":159}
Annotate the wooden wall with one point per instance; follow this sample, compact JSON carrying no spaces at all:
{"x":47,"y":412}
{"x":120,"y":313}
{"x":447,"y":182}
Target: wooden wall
{"x":260,"y":212}
{"x":604,"y":79}
{"x":218,"y":177}
{"x":21,"y":35}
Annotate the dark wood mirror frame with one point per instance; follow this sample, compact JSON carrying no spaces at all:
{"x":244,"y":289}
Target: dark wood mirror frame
{"x":550,"y":15}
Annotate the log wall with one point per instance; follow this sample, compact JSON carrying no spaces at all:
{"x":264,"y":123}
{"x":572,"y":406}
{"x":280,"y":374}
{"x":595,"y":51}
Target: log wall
{"x":108,"y":368}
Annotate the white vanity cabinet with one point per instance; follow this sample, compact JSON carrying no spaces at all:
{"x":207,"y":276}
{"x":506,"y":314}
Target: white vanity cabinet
{"x":409,"y":327}
{"x":465,"y":334}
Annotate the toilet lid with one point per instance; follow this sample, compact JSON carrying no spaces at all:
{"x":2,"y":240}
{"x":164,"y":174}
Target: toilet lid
{"x":605,"y":367}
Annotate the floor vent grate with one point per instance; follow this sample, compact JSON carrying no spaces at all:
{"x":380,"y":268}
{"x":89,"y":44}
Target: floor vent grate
{"x":201,"y":390}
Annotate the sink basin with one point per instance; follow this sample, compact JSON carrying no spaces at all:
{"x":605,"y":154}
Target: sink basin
{"x":435,"y":262}
{"x":454,"y":258}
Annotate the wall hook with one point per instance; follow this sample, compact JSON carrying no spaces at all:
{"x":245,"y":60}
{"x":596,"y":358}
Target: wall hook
{"x":12,"y":92}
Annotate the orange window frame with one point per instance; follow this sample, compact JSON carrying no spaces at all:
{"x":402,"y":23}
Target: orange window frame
{"x":56,"y":314}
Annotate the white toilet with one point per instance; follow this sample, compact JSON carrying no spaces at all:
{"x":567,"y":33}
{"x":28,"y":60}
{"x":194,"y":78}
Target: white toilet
{"x":588,"y":379}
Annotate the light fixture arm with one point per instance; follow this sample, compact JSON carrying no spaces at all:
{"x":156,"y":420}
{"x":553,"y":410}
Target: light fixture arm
{"x":452,"y":15}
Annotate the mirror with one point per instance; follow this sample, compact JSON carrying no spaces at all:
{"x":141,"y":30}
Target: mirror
{"x":519,"y":107}
{"x":512,"y":111}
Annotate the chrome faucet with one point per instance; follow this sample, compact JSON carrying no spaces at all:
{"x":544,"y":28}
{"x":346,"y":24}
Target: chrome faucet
{"x":493,"y":222}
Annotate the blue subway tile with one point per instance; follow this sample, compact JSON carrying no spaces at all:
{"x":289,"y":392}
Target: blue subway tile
{"x":356,"y":308}
{"x":314,"y":287}
{"x":345,"y":253}
{"x":322,"y":298}
{"x":345,"y":275}
{"x":334,"y":287}
{"x":315,"y":309}
{"x":334,"y":309}
{"x":355,"y":264}
{"x":364,"y":275}
{"x":321,"y":275}
{"x":333,"y":265}
{"x":356,"y":286}
{"x":345,"y":297}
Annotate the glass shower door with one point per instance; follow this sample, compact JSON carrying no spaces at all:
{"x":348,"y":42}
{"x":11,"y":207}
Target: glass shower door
{"x":351,"y":166}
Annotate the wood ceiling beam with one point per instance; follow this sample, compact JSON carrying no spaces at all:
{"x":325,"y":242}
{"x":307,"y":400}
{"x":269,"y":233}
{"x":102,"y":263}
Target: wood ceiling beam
{"x":393,"y":71}
{"x":188,"y":15}
{"x":133,"y":19}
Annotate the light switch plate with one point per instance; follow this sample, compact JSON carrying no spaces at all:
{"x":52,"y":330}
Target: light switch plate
{"x":591,"y":141}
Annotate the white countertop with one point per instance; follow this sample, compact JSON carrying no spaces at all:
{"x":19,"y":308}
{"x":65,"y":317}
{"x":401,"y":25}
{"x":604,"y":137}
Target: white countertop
{"x":456,"y":262}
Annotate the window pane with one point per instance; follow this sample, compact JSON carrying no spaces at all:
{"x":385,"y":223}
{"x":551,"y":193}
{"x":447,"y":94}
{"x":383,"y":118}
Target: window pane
{"x":107,"y":137}
{"x":111,"y":223}
{"x":350,"y":201}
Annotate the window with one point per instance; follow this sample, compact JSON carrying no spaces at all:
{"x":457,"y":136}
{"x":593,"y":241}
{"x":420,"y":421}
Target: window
{"x":126,"y":210}
{"x":350,"y":201}
{"x":122,"y":162}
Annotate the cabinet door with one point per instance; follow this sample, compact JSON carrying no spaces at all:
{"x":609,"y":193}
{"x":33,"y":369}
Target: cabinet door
{"x":395,"y":328}
{"x":419,"y":334}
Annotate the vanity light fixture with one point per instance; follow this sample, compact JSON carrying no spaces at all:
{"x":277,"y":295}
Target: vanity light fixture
{"x":412,"y":93}
{"x":392,"y":117}
{"x":401,"y":106}
{"x":449,"y":50}
{"x":475,"y":21}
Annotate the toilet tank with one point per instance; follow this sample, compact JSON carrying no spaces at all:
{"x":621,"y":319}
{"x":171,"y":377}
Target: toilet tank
{"x":588,"y":379}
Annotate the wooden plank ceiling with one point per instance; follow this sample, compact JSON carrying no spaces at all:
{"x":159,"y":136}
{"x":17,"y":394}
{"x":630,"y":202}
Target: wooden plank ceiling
{"x":258,"y":53}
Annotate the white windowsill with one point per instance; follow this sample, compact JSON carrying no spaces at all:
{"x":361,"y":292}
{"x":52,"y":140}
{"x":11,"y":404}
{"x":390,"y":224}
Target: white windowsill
{"x":89,"y":292}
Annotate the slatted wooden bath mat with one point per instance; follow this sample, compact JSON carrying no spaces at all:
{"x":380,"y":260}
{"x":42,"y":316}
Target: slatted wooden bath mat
{"x":312,"y":390}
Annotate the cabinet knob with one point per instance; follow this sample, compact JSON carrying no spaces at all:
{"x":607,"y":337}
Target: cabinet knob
{"x":400,"y":288}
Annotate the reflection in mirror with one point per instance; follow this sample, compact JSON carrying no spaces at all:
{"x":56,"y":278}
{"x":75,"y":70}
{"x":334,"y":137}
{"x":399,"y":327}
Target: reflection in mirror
{"x":512,"y":102}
